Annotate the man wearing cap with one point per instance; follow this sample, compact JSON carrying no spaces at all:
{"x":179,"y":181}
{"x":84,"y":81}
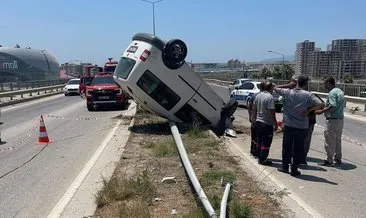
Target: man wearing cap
{"x":296,"y":104}
{"x":253,"y":129}
{"x":334,"y":115}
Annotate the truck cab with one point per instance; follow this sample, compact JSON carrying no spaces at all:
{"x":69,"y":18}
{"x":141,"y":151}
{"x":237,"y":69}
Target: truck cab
{"x":105,"y":92}
{"x":154,"y":73}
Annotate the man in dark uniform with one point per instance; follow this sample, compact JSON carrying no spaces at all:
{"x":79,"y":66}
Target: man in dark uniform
{"x":253,"y":146}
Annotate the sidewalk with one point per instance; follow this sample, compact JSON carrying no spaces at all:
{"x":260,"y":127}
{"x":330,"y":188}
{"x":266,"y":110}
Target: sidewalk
{"x":320,"y":191}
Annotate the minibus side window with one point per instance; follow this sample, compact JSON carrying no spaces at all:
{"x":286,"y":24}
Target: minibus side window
{"x":158,"y":90}
{"x":124,"y":67}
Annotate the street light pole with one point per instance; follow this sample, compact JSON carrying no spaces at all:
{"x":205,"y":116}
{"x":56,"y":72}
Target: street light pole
{"x":153,"y":11}
{"x":283,"y":62}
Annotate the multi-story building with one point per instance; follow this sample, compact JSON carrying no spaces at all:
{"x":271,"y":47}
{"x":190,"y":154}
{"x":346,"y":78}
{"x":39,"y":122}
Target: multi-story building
{"x":324,"y":63}
{"x":303,"y":54}
{"x":353,"y":56}
{"x":343,"y":57}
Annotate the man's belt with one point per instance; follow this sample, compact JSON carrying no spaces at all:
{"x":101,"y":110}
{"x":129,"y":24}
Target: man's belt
{"x":333,"y":118}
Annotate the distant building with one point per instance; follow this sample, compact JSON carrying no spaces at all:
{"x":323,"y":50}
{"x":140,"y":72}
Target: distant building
{"x":234,"y":63}
{"x":343,"y":57}
{"x":302,"y":56}
{"x":353,"y":57}
{"x":324,"y":63}
{"x":25,"y":64}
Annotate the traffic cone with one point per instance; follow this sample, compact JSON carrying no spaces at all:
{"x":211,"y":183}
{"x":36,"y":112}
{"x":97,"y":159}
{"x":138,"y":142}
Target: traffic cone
{"x":43,"y":137}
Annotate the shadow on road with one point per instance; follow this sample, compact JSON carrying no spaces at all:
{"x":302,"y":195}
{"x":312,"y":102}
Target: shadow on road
{"x":278,"y":163}
{"x":314,"y":159}
{"x":345,"y":166}
{"x":308,"y":167}
{"x":312,"y":178}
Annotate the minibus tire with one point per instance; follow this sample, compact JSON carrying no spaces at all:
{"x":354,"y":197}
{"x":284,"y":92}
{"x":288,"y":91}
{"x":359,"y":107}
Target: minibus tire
{"x":169,"y":48}
{"x":172,"y":65}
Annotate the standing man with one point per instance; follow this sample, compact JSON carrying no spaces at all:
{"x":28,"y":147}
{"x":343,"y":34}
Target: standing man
{"x":253,"y":129}
{"x":309,"y":132}
{"x":265,"y":116}
{"x":334,"y":115}
{"x":296,"y":122}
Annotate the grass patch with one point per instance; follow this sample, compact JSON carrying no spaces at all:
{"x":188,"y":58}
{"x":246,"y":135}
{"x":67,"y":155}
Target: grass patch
{"x":196,"y":133}
{"x":212,"y":177}
{"x":239,"y":210}
{"x":162,"y":148}
{"x":136,"y":208}
{"x":140,"y":189}
{"x":195,"y":214}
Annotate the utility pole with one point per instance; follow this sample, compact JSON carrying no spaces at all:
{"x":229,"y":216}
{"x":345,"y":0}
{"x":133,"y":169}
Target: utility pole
{"x":153,"y":11}
{"x":283,"y":62}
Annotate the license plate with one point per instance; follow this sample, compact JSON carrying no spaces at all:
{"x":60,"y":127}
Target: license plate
{"x":132,"y":49}
{"x":103,"y":97}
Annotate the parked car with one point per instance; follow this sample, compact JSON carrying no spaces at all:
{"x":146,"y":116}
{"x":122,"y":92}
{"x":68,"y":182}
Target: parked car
{"x":243,"y":94}
{"x":105,"y":92}
{"x":238,"y":83}
{"x":154,"y":73}
{"x":72,"y":87}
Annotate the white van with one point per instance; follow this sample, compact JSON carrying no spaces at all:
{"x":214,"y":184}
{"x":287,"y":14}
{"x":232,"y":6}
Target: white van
{"x":155,"y":75}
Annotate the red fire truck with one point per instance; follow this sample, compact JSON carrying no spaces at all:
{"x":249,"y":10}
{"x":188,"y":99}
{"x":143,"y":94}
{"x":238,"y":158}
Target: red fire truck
{"x":110,"y":66}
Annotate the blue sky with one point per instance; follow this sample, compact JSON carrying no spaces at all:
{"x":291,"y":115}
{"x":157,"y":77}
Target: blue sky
{"x":213,"y":30}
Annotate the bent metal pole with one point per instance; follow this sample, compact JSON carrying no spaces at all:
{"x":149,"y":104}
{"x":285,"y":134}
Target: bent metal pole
{"x":189,"y":169}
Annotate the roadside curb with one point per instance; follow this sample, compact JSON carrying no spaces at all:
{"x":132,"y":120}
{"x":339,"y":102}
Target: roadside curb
{"x":22,"y":100}
{"x":79,"y":199}
{"x":299,"y":207}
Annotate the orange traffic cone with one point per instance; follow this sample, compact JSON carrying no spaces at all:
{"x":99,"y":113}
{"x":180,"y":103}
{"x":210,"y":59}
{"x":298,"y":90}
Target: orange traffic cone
{"x":43,"y":137}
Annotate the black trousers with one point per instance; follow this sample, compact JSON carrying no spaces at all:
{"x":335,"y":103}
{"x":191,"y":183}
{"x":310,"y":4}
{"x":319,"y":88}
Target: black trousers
{"x":293,"y":146}
{"x":253,"y":144}
{"x":264,"y":140}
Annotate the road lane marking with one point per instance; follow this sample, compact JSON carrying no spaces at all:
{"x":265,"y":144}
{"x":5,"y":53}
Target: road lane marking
{"x":71,"y":191}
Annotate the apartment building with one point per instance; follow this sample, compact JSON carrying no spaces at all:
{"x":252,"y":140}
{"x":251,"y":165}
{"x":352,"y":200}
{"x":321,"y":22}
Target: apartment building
{"x":353,"y":56}
{"x":324,"y":63}
{"x":343,"y":57}
{"x":303,"y":55}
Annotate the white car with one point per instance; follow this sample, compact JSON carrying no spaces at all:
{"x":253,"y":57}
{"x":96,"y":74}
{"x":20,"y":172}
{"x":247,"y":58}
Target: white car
{"x":244,"y":93}
{"x":237,"y":83}
{"x":154,"y":73}
{"x":72,"y":87}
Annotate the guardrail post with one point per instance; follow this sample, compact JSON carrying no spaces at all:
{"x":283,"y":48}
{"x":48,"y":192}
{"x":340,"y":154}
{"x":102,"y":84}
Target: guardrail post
{"x":21,"y":95}
{"x":2,"y":87}
{"x":38,"y":93}
{"x":30,"y":93}
{"x":11,"y":86}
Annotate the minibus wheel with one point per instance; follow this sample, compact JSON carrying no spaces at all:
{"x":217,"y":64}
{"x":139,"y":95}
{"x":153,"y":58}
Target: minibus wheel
{"x":175,"y":51}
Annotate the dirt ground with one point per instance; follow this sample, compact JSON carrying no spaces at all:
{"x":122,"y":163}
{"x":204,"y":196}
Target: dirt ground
{"x":136,"y":188}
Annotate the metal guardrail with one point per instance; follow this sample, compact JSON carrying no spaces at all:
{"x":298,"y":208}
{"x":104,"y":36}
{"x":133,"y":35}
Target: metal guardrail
{"x":30,"y":91}
{"x":351,"y":99}
{"x":19,"y":85}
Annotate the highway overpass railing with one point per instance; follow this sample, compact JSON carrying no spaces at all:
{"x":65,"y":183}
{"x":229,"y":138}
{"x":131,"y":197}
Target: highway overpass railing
{"x":319,"y":89}
{"x":31,"y":92}
{"x":19,"y":85}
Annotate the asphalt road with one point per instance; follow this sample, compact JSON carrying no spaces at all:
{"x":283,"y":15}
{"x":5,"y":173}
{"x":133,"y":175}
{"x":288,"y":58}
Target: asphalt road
{"x":40,"y":175}
{"x":330,"y":191}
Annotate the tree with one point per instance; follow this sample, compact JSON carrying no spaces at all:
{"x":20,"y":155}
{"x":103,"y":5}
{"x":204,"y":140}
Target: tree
{"x":265,"y":73}
{"x":289,"y":71}
{"x":348,"y":79}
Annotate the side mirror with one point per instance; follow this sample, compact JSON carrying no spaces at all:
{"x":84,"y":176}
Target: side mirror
{"x":87,"y":83}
